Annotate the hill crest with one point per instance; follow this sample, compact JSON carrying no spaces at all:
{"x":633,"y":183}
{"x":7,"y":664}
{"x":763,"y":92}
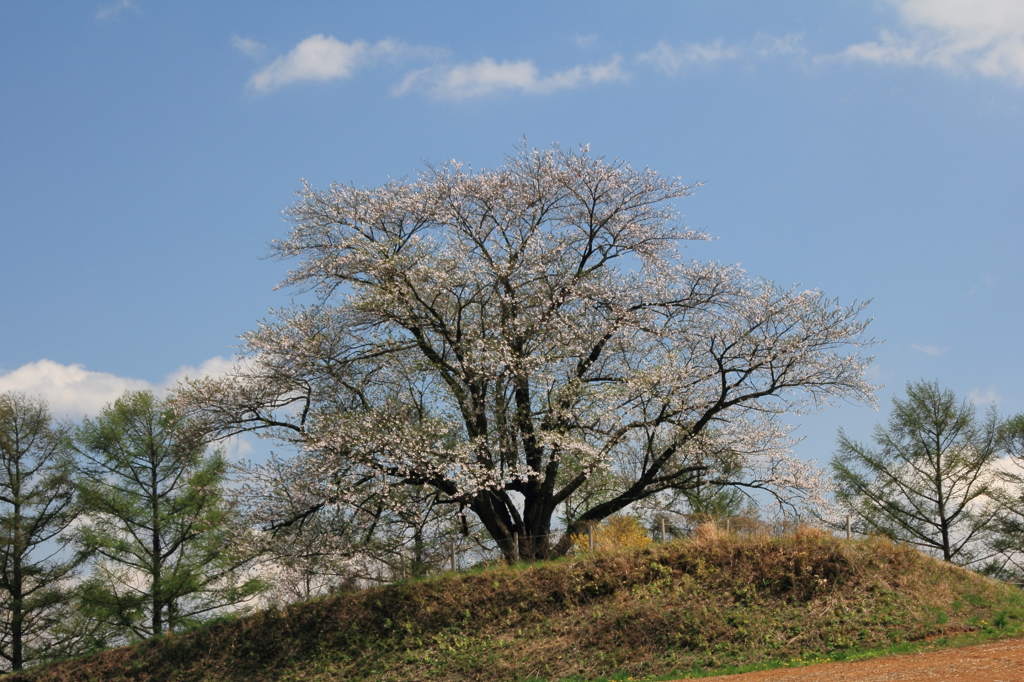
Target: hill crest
{"x":707,"y":602}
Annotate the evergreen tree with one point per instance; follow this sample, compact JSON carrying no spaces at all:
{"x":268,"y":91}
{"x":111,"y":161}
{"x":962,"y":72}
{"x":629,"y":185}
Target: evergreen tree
{"x":930,"y":479}
{"x":36,"y":506}
{"x":160,"y":527}
{"x":1007,"y":542}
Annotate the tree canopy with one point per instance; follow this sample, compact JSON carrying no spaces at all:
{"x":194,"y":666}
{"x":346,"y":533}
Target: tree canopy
{"x":929,"y":480}
{"x":163,"y":535}
{"x":507,"y":336}
{"x":37,"y":505}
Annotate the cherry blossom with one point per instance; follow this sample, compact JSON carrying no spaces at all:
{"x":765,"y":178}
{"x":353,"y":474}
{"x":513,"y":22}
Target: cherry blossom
{"x":502,"y":335}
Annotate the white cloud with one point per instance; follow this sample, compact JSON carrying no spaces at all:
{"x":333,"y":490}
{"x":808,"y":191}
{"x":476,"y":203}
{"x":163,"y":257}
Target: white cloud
{"x":70,"y":390}
{"x":486,"y":76}
{"x":765,"y":45}
{"x":238,"y":448}
{"x":673,"y":59}
{"x":984,"y":36}
{"x":213,"y":367}
{"x":584,"y":41}
{"x":74,"y":391}
{"x":986,"y":282}
{"x":318,"y":58}
{"x":324,"y":58}
{"x":248,"y":46}
{"x":109,"y":10}
{"x":929,"y":349}
{"x":987,"y":397}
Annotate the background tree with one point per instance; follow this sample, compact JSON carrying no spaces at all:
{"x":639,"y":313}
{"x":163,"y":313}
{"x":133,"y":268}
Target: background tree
{"x":502,"y":336}
{"x":614,"y":533}
{"x":1007,"y":542}
{"x":159,"y":526}
{"x":683,"y":510}
{"x":1011,"y":436}
{"x":371,"y":539}
{"x":36,"y":506}
{"x":929,"y":481}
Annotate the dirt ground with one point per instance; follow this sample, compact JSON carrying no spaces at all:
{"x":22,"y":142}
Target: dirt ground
{"x":996,"y":662}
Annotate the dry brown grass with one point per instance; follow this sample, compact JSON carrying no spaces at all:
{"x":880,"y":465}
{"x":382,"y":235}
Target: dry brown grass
{"x":717,"y":599}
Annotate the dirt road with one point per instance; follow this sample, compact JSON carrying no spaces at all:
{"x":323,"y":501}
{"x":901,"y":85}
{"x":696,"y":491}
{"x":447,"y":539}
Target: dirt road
{"x":997,"y":662}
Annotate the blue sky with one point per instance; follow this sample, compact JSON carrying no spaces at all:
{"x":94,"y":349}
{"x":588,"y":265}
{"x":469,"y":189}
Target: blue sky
{"x":873,"y":150}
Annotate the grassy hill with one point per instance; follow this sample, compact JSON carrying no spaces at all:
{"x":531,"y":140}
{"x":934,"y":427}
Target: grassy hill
{"x":709,"y":602}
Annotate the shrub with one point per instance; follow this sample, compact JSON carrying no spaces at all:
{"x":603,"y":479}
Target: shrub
{"x":616,"y":532}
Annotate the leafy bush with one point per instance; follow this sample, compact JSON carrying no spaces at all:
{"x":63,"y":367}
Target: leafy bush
{"x":615,"y":532}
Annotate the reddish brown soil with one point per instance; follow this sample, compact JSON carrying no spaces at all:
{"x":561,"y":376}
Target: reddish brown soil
{"x":996,"y":662}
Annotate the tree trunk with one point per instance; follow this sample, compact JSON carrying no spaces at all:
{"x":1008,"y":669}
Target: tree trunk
{"x":419,"y":564}
{"x":157,"y":585}
{"x":17,"y":597}
{"x":533,"y":528}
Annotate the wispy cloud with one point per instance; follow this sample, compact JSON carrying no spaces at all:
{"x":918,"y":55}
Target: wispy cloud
{"x":74,"y":391}
{"x":325,"y":58}
{"x":109,"y":10}
{"x":983,"y":36}
{"x":248,"y":47}
{"x":929,"y":349}
{"x":672,"y":59}
{"x":986,"y":283}
{"x":989,"y":396}
{"x":486,"y":76}
{"x":766,"y":45}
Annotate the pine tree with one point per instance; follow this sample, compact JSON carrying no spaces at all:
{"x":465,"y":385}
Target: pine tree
{"x":930,"y":479}
{"x":36,"y":505}
{"x":160,"y":527}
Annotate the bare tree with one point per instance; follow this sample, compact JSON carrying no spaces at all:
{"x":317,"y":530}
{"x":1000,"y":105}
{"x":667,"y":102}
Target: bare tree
{"x":504,"y":336}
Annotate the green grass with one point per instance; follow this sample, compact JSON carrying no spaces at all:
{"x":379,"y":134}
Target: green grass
{"x":962,"y":640}
{"x":691,"y":608}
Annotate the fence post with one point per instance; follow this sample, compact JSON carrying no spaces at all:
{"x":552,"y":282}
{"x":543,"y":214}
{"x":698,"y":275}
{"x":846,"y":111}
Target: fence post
{"x":728,"y":526}
{"x":515,"y":548}
{"x":590,"y":537}
{"x":849,"y":527}
{"x":452,"y":548}
{"x":663,"y":530}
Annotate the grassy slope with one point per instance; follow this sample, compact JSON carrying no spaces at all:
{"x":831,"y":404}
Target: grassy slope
{"x":708,"y":602}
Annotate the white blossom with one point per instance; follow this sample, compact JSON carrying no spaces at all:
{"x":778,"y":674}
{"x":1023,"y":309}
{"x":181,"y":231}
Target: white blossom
{"x":503,"y":335}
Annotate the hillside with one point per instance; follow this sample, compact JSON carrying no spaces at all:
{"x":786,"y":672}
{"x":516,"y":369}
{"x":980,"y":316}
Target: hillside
{"x":711,"y":601}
